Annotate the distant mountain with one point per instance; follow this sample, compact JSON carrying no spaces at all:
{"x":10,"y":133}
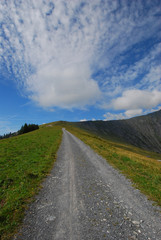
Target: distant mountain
{"x":143,"y":131}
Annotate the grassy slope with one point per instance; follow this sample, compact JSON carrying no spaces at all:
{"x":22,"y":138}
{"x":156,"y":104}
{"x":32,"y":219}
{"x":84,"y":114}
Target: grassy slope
{"x":24,"y":161}
{"x":138,"y":165}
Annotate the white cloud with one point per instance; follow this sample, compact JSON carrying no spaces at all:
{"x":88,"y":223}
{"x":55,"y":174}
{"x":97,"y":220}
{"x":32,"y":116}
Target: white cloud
{"x":152,"y":110}
{"x":53,"y":48}
{"x":83,"y":120}
{"x":58,"y":44}
{"x":66,"y":87}
{"x":136,"y":99}
{"x":113,"y":116}
{"x":133,"y":112}
{"x":128,"y":114}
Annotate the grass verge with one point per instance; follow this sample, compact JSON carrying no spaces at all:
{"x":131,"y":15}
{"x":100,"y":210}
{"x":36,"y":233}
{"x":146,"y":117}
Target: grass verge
{"x":24,"y":162}
{"x":142,"y":167}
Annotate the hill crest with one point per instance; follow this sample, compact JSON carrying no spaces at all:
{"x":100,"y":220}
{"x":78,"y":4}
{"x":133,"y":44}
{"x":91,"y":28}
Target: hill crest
{"x":142,"y":131}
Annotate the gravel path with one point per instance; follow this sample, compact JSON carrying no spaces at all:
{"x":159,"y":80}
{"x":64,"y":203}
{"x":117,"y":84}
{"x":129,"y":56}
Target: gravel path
{"x":85,"y":198}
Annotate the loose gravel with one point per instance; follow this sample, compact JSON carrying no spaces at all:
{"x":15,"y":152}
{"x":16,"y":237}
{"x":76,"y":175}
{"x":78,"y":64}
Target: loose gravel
{"x":85,"y":198}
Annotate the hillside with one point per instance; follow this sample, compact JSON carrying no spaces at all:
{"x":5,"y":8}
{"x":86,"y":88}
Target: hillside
{"x":84,"y":195}
{"x":26,"y":159}
{"x":143,"y":131}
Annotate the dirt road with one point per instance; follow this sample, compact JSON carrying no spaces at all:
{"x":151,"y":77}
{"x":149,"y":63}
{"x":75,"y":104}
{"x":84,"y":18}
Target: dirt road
{"x":85,"y":198}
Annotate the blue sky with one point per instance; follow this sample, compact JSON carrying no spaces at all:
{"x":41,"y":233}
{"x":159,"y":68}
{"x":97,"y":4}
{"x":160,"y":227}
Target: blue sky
{"x":78,"y":60}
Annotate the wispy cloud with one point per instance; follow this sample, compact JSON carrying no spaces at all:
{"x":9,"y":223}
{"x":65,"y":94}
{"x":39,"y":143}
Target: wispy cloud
{"x":76,"y":53}
{"x":143,"y":73}
{"x":51,"y":47}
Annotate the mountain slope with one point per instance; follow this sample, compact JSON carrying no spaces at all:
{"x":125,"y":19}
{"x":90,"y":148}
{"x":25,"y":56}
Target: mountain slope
{"x":143,"y":131}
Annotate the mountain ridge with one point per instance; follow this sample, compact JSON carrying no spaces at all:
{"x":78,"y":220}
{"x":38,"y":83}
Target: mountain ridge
{"x":141,"y":131}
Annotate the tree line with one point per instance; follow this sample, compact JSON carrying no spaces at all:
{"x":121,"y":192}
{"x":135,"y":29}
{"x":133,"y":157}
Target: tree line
{"x":24,"y":129}
{"x":28,"y":128}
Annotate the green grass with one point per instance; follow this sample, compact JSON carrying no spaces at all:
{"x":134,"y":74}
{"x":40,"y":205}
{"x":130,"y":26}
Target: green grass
{"x":27,"y":159}
{"x":24,"y":162}
{"x":138,"y":165}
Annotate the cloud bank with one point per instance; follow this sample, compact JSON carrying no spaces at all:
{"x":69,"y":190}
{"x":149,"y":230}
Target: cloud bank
{"x":63,"y":87}
{"x":137,"y":99}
